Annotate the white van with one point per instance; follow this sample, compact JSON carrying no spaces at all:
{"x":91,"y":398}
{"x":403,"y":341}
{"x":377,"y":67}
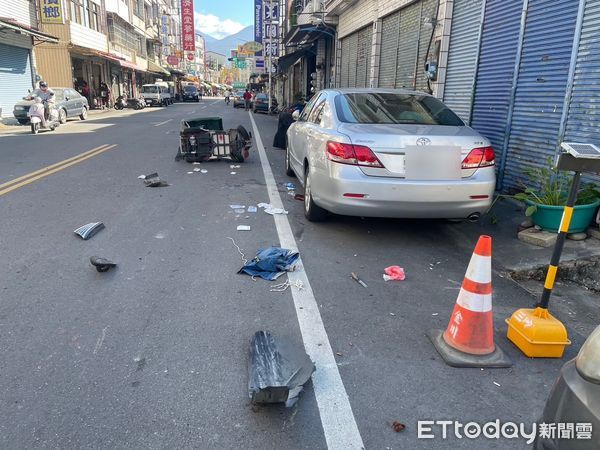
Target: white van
{"x":156,"y":95}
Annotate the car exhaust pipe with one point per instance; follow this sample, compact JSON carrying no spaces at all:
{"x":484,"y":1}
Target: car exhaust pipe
{"x":474,"y":217}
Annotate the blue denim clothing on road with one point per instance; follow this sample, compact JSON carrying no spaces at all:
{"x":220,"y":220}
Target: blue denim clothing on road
{"x":270,"y":263}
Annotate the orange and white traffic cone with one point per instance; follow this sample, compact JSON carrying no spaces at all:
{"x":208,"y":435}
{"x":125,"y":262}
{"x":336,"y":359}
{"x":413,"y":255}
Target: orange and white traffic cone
{"x":469,"y":338}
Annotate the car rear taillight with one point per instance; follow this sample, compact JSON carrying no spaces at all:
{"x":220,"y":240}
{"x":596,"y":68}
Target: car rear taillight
{"x":479,"y":157}
{"x":355,"y":155}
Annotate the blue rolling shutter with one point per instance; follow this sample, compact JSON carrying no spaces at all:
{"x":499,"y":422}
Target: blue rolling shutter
{"x":15,"y":76}
{"x":462,"y":56}
{"x":583,"y":120}
{"x":541,"y":86}
{"x":499,"y":42}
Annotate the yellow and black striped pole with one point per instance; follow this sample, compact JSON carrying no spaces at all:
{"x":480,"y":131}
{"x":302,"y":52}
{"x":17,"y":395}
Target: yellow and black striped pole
{"x":560,"y":242}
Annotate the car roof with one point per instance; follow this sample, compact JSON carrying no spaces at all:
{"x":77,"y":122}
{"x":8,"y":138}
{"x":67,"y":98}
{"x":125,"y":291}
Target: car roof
{"x":374,"y":91}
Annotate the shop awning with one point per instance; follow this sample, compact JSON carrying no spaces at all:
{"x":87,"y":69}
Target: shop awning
{"x":100,"y":54}
{"x":152,"y":67}
{"x":286,"y":61}
{"x":12,"y":24}
{"x":305,"y":34}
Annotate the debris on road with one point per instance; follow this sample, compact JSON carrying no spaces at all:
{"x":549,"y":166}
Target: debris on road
{"x":141,"y":177}
{"x":232,"y":166}
{"x":270,"y":263}
{"x":232,"y":173}
{"x":252,"y":209}
{"x":89,"y":230}
{"x":237,"y":206}
{"x":497,"y":384}
{"x":398,"y":426}
{"x":277,"y":370}
{"x":244,"y":260}
{"x":204,"y":171}
{"x":284,"y":286}
{"x":153,"y":180}
{"x":190,"y":173}
{"x":239,"y":211}
{"x":196,"y":169}
{"x":290,"y":186}
{"x":270,"y":209}
{"x":358,"y":280}
{"x":243,"y":227}
{"x":101,"y":264}
{"x":299,"y":197}
{"x":394,"y":273}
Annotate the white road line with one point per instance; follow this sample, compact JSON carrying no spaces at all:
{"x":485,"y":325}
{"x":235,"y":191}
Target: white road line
{"x":162,"y":123}
{"x":339,"y":425}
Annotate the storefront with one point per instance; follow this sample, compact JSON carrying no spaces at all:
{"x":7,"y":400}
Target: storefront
{"x":17,"y":74}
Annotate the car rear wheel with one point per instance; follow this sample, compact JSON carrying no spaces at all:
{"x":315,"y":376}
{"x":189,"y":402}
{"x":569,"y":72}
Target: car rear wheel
{"x":62,"y":116}
{"x":288,"y":167}
{"x":83,"y":114}
{"x":312,"y":211}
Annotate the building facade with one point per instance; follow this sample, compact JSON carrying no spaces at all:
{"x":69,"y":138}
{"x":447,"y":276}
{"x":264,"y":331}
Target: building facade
{"x":19,"y":34}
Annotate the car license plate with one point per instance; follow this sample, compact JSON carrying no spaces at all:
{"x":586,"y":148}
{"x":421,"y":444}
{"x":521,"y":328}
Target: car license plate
{"x":432,"y":162}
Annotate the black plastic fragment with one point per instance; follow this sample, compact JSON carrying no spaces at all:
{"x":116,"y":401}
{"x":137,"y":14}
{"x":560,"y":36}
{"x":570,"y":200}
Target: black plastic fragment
{"x":87,"y":231}
{"x":101,"y":264}
{"x":277,"y":370}
{"x":153,"y":180}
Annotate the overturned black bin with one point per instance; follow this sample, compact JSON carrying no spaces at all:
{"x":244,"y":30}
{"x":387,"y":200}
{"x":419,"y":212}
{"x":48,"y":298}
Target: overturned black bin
{"x":203,"y":138}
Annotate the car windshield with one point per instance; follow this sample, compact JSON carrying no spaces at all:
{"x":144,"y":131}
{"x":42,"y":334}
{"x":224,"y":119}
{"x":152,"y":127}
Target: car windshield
{"x":190,"y":88}
{"x":261,"y":96}
{"x":58,"y":94}
{"x":395,"y":108}
{"x":149,"y":89}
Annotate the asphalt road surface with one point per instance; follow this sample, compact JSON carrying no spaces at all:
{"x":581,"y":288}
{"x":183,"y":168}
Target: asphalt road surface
{"x":154,"y":354}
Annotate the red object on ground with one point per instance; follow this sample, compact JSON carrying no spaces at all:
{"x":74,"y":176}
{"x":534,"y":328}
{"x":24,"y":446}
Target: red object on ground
{"x":394,"y":273}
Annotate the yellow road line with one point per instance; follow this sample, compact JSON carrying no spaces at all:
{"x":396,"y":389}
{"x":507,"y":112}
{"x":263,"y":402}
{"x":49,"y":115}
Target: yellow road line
{"x":45,"y":169}
{"x":42,"y":173}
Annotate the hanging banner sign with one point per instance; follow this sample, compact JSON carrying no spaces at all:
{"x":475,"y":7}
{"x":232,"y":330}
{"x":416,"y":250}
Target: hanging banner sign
{"x":188,"y":34}
{"x":258,"y":23}
{"x":51,"y":11}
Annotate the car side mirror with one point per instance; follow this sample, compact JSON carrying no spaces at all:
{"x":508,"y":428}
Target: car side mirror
{"x":296,"y":115}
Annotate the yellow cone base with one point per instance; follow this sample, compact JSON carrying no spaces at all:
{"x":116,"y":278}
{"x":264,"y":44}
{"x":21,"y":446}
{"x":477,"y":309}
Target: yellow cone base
{"x":455,"y":358}
{"x":537,"y":333}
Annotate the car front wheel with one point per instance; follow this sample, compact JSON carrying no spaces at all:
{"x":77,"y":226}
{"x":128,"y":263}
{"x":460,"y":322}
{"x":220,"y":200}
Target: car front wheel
{"x":83,"y":114}
{"x":288,"y":167}
{"x":62,"y":116}
{"x":312,"y":211}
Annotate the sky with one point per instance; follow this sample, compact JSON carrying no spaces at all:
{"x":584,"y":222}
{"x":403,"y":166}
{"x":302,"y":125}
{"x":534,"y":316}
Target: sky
{"x":221,"y":18}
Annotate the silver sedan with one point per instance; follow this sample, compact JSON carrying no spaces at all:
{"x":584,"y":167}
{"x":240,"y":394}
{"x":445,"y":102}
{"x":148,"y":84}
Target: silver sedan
{"x":388,"y":153}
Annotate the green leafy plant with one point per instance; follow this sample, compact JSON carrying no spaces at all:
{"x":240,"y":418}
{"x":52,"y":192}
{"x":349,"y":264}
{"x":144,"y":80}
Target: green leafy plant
{"x":548,"y":186}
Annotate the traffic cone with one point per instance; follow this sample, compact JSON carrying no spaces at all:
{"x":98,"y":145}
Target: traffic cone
{"x":469,"y":338}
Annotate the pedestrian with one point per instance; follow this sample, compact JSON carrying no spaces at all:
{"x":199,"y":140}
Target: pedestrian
{"x":247,"y":98}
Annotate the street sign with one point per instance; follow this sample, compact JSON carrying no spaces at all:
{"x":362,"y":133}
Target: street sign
{"x":258,"y":20}
{"x":239,"y":85}
{"x":260,"y":64}
{"x":271,"y":12}
{"x":51,"y":11}
{"x":272,"y":48}
{"x":190,"y":56}
{"x":271,"y":31}
{"x":188,"y":34}
{"x":173,"y":60}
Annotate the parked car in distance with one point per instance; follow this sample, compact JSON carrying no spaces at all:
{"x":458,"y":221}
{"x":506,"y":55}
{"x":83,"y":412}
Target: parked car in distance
{"x":575,"y":399}
{"x":238,"y":99}
{"x":190,"y":93}
{"x":69,"y":103}
{"x":156,"y":95}
{"x":261,"y":103}
{"x":388,"y":153}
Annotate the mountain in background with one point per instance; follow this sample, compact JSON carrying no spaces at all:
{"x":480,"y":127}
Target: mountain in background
{"x":225,"y":45}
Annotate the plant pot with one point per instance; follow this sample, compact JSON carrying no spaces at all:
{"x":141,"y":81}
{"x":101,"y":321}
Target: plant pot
{"x":549,"y":217}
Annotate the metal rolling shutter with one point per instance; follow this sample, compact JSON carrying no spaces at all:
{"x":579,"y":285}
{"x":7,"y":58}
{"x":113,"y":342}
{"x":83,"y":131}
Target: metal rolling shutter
{"x":345,"y":60}
{"x":363,"y":62}
{"x":499,"y":43}
{"x":390,"y":35}
{"x":352,"y":59}
{"x":15,"y":76}
{"x":583,"y":119}
{"x":462,"y":56}
{"x":541,"y":86}
{"x":428,"y":15}
{"x":407,"y":46}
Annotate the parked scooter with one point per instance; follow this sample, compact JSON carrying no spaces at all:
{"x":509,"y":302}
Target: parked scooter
{"x":37,"y":113}
{"x":134,"y":103}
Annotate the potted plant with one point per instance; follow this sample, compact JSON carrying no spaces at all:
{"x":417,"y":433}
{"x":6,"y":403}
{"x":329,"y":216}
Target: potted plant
{"x":546,"y":194}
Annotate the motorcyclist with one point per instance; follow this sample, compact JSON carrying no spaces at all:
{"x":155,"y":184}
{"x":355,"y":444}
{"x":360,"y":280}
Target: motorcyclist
{"x":47,"y":97}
